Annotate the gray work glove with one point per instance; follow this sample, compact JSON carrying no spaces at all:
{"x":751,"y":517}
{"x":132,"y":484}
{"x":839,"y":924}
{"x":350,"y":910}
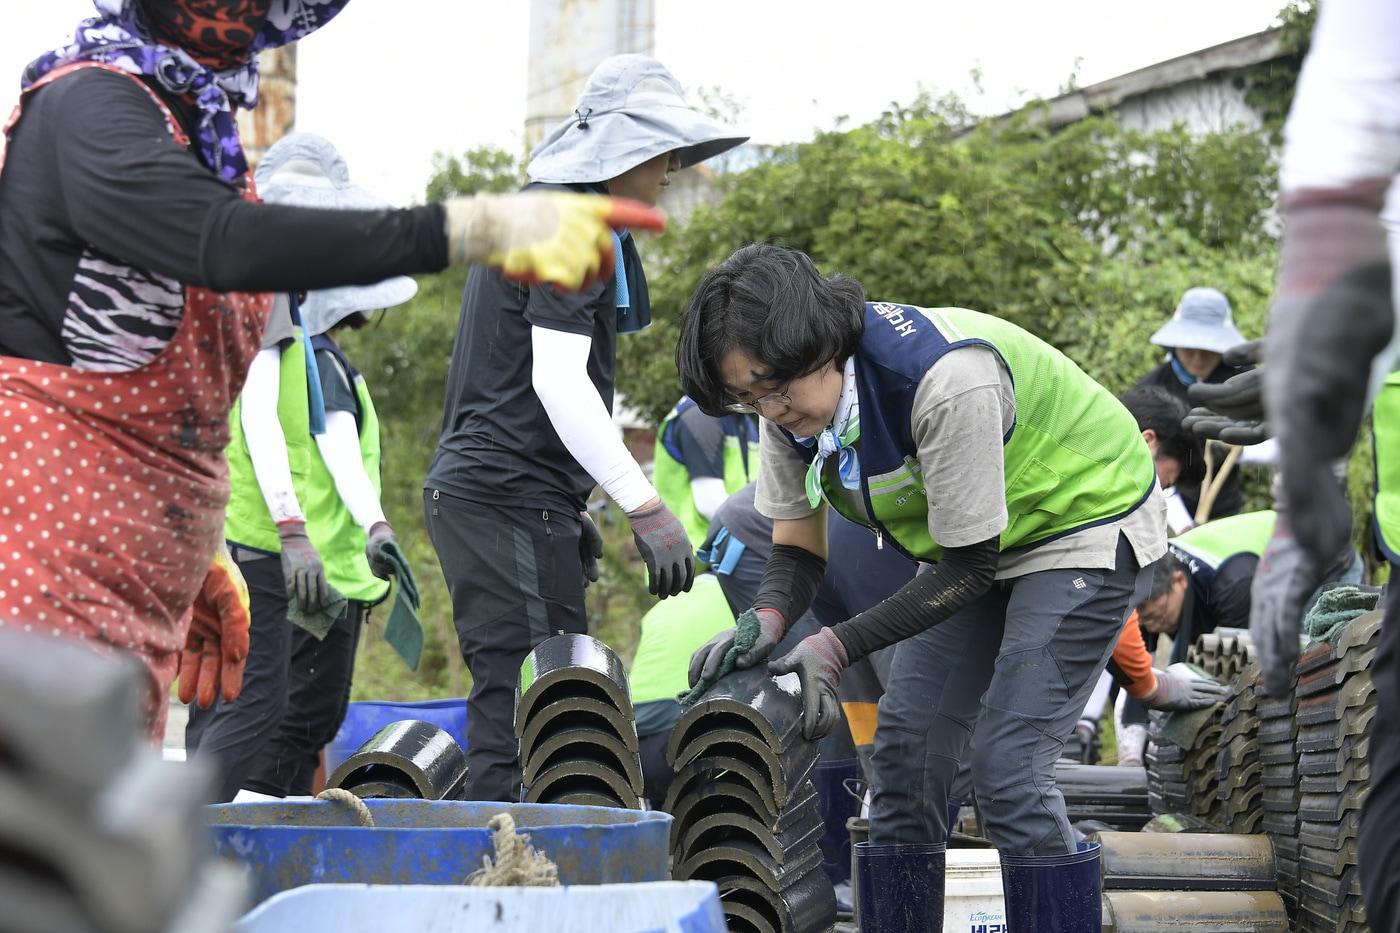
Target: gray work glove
{"x":1285,"y":580}
{"x":302,"y":569}
{"x":1180,"y":690}
{"x":590,"y":548}
{"x":665,"y":547}
{"x":1232,"y":411}
{"x":381,"y":535}
{"x":818,"y":661}
{"x":705,"y":662}
{"x":1333,"y":315}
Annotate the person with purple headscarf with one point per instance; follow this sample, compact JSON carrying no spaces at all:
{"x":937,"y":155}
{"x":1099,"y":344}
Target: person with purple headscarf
{"x":135,"y":263}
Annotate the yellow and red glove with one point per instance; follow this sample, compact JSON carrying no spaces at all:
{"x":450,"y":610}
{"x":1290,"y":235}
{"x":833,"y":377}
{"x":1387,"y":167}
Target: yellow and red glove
{"x":552,"y":236}
{"x":216,"y":647}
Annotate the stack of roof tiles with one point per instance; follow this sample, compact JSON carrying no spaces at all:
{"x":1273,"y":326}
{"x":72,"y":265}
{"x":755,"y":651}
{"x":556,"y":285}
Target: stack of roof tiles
{"x":1335,"y":706}
{"x":574,"y":719}
{"x":746,"y":814}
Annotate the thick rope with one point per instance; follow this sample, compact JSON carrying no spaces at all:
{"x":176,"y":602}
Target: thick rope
{"x":340,"y":795}
{"x":517,"y":863}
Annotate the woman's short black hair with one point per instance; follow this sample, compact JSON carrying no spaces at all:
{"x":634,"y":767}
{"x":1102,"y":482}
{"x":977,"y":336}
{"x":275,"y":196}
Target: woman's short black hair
{"x":772,"y":303}
{"x":1157,"y":409}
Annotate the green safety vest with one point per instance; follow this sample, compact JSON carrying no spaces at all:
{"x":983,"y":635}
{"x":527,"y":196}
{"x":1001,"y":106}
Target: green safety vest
{"x":340,"y":542}
{"x":1217,"y":541}
{"x":1385,"y":425}
{"x":672,"y":630}
{"x":672,"y":478}
{"x":1074,"y":458}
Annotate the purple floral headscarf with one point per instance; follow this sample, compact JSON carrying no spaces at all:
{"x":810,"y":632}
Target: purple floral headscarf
{"x":118,"y":36}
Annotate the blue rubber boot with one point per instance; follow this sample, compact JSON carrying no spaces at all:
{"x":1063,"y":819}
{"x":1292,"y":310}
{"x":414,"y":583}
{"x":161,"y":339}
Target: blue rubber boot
{"x":954,"y":808}
{"x":837,"y":806}
{"x":900,"y":888}
{"x":1053,"y":893}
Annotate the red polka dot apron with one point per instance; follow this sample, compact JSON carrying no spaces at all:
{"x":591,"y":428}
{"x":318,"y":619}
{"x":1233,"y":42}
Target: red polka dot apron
{"x":113,"y":485}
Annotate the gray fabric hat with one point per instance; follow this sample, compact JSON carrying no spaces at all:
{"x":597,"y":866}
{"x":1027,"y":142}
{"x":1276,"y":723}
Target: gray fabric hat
{"x":631,"y":110}
{"x":305,"y":170}
{"x":1203,"y":321}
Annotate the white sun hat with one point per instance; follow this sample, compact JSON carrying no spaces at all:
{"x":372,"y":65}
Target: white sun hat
{"x":632,"y":110}
{"x":305,"y":170}
{"x":1203,"y":321}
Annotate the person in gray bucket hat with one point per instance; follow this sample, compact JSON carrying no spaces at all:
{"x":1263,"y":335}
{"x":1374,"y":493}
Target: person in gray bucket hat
{"x":527,"y":427}
{"x":1196,"y":339}
{"x":304,"y":522}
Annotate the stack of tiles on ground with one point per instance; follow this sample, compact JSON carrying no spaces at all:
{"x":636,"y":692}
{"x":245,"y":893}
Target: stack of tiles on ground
{"x":746,"y":813}
{"x":573,"y":716}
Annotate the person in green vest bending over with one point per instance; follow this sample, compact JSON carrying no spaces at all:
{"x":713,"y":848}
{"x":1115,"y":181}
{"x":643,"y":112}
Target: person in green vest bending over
{"x":700,"y":461}
{"x":971,"y":445}
{"x":304,"y":522}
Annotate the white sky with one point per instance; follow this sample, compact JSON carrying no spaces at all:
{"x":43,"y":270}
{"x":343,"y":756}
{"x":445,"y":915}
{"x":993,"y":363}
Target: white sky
{"x":390,"y":81}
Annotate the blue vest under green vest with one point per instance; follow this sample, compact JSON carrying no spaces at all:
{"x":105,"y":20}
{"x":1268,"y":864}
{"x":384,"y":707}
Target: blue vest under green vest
{"x":329,"y":525}
{"x":672,"y":477}
{"x":1073,"y":459}
{"x":1385,"y":424}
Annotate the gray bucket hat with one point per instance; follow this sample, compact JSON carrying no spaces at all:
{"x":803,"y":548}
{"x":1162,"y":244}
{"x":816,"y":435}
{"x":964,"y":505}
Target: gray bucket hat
{"x":1203,"y":321}
{"x":631,"y":110}
{"x":305,"y":170}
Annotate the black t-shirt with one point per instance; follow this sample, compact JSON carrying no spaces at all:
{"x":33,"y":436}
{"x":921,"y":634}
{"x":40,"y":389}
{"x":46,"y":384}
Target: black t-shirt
{"x":93,"y":177}
{"x":1230,"y":500}
{"x":498,"y":446}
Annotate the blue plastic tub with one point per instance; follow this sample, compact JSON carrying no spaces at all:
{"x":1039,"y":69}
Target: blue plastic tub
{"x":660,"y":907}
{"x":365,"y":718}
{"x":424,"y":842}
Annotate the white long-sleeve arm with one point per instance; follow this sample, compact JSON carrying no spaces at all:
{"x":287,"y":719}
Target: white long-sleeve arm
{"x":340,"y":451}
{"x":560,"y":377}
{"x":709,"y":494}
{"x":1344,"y":126}
{"x":262,"y":432}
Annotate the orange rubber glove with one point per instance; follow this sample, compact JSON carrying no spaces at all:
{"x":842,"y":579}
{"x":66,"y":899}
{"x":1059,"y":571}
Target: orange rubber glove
{"x":216,"y":647}
{"x":553,"y":236}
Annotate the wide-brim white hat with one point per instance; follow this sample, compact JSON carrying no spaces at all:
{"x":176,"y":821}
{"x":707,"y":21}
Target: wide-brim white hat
{"x":305,"y":170}
{"x":1203,"y":321}
{"x":631,"y":110}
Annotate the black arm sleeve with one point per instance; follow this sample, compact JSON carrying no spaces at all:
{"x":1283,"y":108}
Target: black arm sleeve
{"x":963,"y":575}
{"x":134,"y":193}
{"x":790,"y":581}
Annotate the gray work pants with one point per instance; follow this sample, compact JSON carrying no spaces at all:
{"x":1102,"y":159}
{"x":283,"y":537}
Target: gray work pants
{"x":1011,"y":673}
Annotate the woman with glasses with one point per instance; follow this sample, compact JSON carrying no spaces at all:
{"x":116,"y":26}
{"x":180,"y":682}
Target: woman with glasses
{"x":1022,"y":486}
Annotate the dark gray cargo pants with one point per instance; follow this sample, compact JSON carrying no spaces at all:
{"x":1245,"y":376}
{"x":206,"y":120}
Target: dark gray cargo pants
{"x":1011,"y":672}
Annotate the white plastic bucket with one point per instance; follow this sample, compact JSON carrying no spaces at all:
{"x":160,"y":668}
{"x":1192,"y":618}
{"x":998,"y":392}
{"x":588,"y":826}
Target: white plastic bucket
{"x":972,"y":899}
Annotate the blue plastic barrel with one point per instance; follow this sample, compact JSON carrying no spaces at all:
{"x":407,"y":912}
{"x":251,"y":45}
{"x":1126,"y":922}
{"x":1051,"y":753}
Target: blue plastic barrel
{"x":363,"y":719}
{"x":659,"y":907}
{"x":291,"y":843}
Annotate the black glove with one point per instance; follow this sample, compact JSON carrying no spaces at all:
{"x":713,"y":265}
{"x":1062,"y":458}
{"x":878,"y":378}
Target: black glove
{"x":590,"y":549}
{"x":665,"y":547}
{"x":1232,"y":411}
{"x":818,"y":660}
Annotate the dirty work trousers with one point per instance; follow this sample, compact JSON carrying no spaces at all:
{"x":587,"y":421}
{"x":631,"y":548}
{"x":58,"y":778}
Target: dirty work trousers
{"x":1011,"y":673}
{"x":295,"y":692}
{"x":516,"y":579}
{"x":1378,"y":843}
